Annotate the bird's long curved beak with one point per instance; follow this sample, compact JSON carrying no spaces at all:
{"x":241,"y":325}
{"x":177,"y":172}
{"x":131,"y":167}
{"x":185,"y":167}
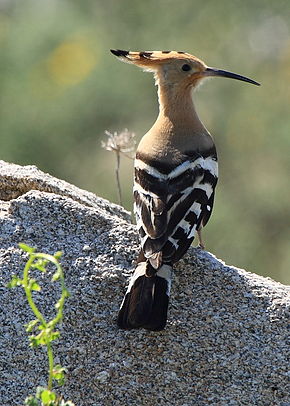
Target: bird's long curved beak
{"x":226,"y":74}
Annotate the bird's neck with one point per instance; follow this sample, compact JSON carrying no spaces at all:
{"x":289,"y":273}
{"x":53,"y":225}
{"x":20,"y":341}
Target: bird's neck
{"x":176,"y":109}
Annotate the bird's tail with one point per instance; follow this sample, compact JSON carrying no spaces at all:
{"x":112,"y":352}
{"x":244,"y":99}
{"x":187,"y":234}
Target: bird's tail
{"x":146,"y":301}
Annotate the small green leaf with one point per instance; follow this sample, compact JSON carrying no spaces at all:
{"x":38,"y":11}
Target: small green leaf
{"x":15,"y":281}
{"x":33,"y":285}
{"x":58,"y":255}
{"x":40,"y":264}
{"x":35,"y":341}
{"x":39,"y":391}
{"x":65,"y":292}
{"x":58,"y":374}
{"x":26,"y":248}
{"x":54,"y":335}
{"x":44,"y":337}
{"x":31,"y":401}
{"x":59,"y":303}
{"x":30,"y":326}
{"x":40,"y":339}
{"x":47,"y":396}
{"x":56,"y":276}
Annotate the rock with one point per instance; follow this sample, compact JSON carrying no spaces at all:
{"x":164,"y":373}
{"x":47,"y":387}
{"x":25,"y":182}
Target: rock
{"x":227,"y":337}
{"x":17,"y":180}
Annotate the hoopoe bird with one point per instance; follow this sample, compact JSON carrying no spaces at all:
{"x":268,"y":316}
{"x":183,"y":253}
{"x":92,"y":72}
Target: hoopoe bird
{"x":176,"y":172}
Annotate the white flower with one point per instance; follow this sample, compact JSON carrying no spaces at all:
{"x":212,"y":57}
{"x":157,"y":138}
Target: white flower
{"x":123,"y":142}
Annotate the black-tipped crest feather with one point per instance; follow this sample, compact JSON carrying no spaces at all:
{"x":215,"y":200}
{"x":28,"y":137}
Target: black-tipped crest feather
{"x":119,"y":52}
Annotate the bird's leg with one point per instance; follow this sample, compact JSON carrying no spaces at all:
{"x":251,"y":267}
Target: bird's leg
{"x":201,"y":243}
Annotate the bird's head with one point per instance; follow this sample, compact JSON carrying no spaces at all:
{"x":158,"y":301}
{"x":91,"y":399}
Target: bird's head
{"x":173,"y":68}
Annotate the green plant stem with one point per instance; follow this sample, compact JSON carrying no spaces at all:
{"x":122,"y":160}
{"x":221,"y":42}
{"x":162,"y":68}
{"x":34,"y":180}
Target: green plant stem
{"x":50,"y":365}
{"x":28,"y":291}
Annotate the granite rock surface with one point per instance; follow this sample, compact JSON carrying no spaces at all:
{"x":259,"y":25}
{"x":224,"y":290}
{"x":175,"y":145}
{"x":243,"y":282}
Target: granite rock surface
{"x":226,"y":341}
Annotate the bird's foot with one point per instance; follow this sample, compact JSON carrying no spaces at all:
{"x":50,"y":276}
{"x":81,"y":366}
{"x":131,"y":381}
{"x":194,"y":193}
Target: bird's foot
{"x":201,"y":244}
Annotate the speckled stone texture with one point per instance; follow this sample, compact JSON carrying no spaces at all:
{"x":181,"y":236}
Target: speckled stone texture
{"x":226,"y":341}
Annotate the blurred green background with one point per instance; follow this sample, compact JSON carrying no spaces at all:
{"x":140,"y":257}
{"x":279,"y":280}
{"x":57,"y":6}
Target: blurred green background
{"x":61,"y":89}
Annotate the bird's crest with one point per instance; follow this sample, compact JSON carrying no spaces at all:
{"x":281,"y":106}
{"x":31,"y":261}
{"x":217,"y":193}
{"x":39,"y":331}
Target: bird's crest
{"x":149,"y":59}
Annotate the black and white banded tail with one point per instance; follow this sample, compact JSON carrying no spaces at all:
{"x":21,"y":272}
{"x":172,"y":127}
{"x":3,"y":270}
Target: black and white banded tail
{"x":146,"y":301}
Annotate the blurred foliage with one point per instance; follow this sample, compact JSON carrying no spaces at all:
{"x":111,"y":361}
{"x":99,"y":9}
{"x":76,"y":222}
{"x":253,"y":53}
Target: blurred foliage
{"x":61,"y":89}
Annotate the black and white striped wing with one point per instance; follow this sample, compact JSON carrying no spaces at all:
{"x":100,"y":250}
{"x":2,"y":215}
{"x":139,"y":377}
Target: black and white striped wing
{"x":171,"y":205}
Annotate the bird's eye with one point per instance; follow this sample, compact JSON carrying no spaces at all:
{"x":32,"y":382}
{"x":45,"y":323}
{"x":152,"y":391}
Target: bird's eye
{"x":186,"y":67}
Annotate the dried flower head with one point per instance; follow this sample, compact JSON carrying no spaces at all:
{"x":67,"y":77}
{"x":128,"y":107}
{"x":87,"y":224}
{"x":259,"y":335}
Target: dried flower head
{"x":120,"y":143}
{"x":123,"y":142}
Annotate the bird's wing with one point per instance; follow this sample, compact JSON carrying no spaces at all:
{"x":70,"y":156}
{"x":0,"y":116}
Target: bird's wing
{"x":170,"y":207}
